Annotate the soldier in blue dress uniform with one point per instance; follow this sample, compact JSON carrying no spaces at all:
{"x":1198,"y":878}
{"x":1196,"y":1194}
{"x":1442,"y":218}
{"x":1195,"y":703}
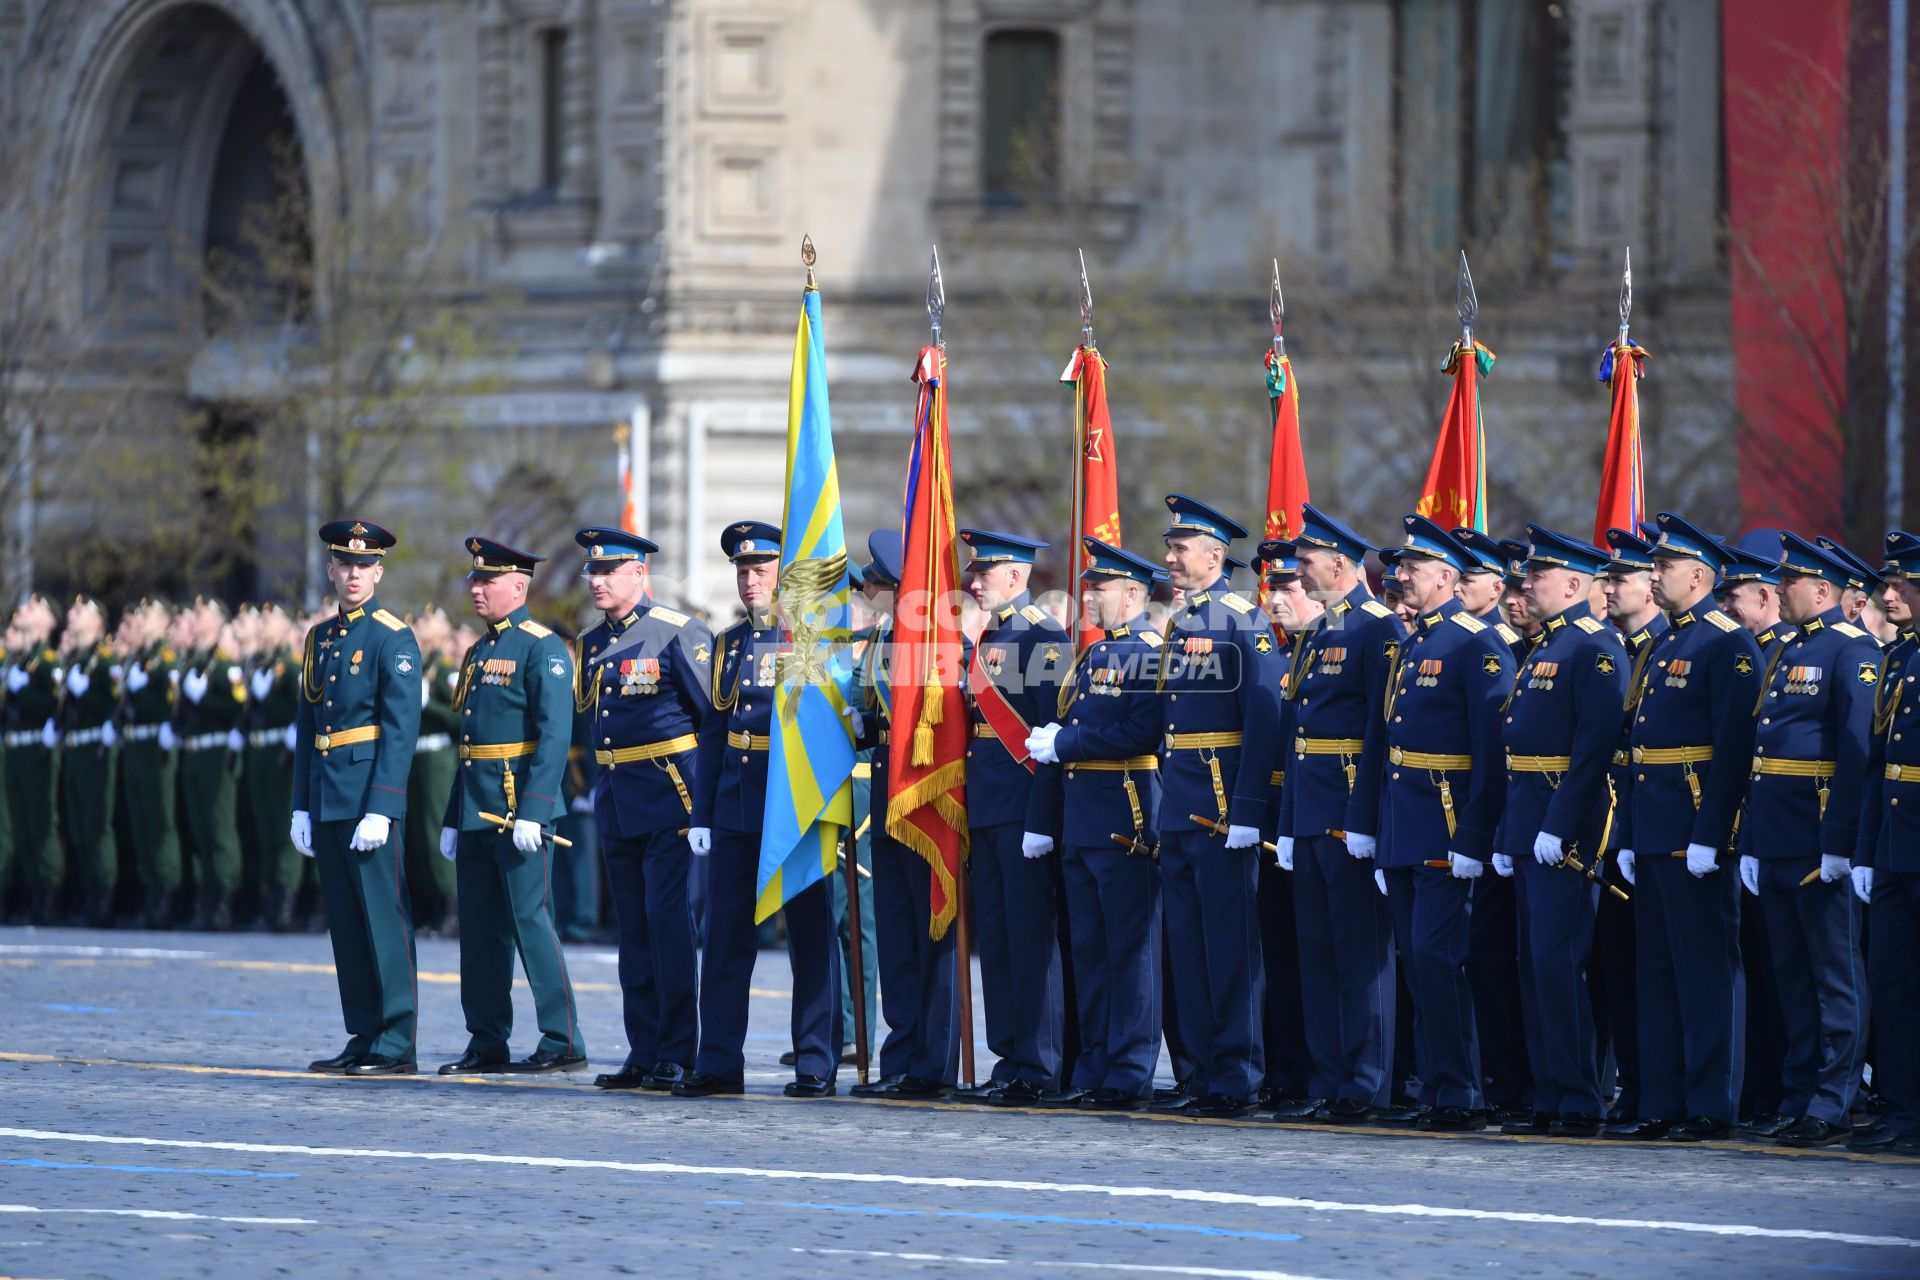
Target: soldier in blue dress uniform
{"x":354,"y":729}
{"x":916,"y":971}
{"x":1562,"y":727}
{"x":1015,"y":670}
{"x":1886,"y":870}
{"x":516,"y":709}
{"x":645,"y":689}
{"x":1329,"y":817}
{"x":1220,"y":677}
{"x":1691,"y":743}
{"x":1440,"y":802}
{"x":729,"y":809}
{"x":1099,"y":785}
{"x":1796,"y":845}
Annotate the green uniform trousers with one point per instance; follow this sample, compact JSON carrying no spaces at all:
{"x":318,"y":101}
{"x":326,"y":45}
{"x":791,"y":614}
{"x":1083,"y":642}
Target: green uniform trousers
{"x":209,"y":809}
{"x":86,"y":819}
{"x":506,"y":905}
{"x":370,"y":923}
{"x":147,"y":800}
{"x":274,"y":864}
{"x":30,"y":802}
{"x":430,"y":876}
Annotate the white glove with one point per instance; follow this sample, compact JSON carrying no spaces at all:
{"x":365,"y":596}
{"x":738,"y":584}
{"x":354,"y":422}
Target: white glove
{"x":236,"y":741}
{"x":1465,"y":868}
{"x":700,"y":840}
{"x":261,"y":682}
{"x":855,"y":721}
{"x":1701,"y":860}
{"x":1834,"y":867}
{"x":1040,"y":744}
{"x":169,"y":740}
{"x":17,"y":677}
{"x":449,"y":842}
{"x":293,"y":738}
{"x":1243,"y":837}
{"x":453,"y":679}
{"x":78,"y":681}
{"x":136,"y":678}
{"x":116,"y":671}
{"x":526,"y":835}
{"x":371,"y":833}
{"x":1503,"y":866}
{"x":1035,"y":845}
{"x":1548,"y":851}
{"x":1380,"y":881}
{"x":426,"y":687}
{"x":59,"y":675}
{"x":194,"y":685}
{"x":301,"y":833}
{"x":582,"y":805}
{"x":49,"y":735}
{"x":1624,"y":860}
{"x":1863,"y":883}
{"x":235,"y":675}
{"x":108,"y":734}
{"x":1361,"y":845}
{"x":1284,"y":856}
{"x":1750,"y":874}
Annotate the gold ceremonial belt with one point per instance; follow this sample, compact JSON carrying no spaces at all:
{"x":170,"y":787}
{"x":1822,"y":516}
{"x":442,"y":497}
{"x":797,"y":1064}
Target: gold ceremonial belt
{"x":1277,"y":778}
{"x":1327,"y":746}
{"x":1672,"y":755}
{"x":1794,"y":768}
{"x":1902,"y":773}
{"x":1115,"y":766}
{"x":1539,"y":764}
{"x":345,"y":737}
{"x":1202,"y":741}
{"x":1427,"y":760}
{"x":749,"y":741}
{"x":862,"y":769}
{"x":651,"y":751}
{"x":985,"y":730}
{"x":1621,"y":757}
{"x":495,"y":750}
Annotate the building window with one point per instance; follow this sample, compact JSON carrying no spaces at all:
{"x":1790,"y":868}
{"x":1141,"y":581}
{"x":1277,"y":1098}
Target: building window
{"x":1020,"y":116}
{"x":553,"y":107}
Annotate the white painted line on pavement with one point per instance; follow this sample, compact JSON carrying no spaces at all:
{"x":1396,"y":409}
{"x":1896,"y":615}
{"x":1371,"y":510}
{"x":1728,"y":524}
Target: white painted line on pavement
{"x":1042,"y":1264}
{"x":1184,"y":1194}
{"x":166,"y":1215}
{"x":120,"y":953}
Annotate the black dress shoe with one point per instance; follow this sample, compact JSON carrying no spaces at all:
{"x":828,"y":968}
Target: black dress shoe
{"x":881,"y":1088}
{"x":1015,"y":1093}
{"x":810,"y":1087}
{"x":1638,"y":1130}
{"x":1809,"y":1132}
{"x":1502,"y":1114}
{"x":1168,"y":1095}
{"x":1111,"y":1100}
{"x":338,"y":1063}
{"x":1530,"y":1124}
{"x":472,"y":1064}
{"x":916,"y":1087}
{"x":1061,"y":1099}
{"x":1406,"y":1115}
{"x":702,"y":1085}
{"x":379,"y":1064}
{"x":788,"y":1058}
{"x":1770,"y":1124}
{"x":624,"y":1078}
{"x":663,"y":1077}
{"x":1297,"y":1108}
{"x":1346,"y":1111}
{"x":848,"y":1058}
{"x":978,"y":1094}
{"x":1878,"y":1139}
{"x":1577,"y":1124}
{"x":1222,"y":1106}
{"x":1699,"y":1129}
{"x":545,"y":1062}
{"x":1452,"y":1120}
{"x":1178,"y":1102}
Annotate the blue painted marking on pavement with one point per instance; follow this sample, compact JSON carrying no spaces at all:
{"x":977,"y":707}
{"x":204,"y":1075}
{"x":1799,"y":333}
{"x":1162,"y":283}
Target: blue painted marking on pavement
{"x":79,"y":1008}
{"x":141,"y":1168}
{"x":1044,"y":1219}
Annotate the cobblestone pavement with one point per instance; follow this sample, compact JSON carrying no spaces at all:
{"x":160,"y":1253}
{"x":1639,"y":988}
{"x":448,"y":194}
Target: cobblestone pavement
{"x":154,"y":1122}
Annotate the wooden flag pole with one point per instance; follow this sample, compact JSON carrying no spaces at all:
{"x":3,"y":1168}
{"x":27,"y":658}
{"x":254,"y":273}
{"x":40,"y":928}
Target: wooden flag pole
{"x":857,"y":980}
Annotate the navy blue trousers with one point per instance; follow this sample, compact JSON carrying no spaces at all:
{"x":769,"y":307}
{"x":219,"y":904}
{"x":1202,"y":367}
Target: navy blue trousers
{"x":1612,"y":978}
{"x":647,"y":876}
{"x":1019,"y":945}
{"x":1557,"y":911}
{"x":1762,"y":1088}
{"x":1815,"y":936}
{"x":916,"y":973}
{"x":1894,"y":962}
{"x":726,"y":966}
{"x":1113,"y":907}
{"x":1493,"y":970}
{"x":1288,"y":1067}
{"x":1209,"y":901}
{"x":1346,"y":971}
{"x":1432,"y":924}
{"x":1692,"y":992}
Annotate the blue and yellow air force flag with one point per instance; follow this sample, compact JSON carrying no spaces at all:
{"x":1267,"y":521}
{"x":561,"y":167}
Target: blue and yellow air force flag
{"x":810,"y":769}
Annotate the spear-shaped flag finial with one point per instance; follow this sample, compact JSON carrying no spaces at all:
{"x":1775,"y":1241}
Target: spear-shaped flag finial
{"x":1277,"y":312}
{"x":1086,"y":303}
{"x":808,"y":256}
{"x":1466,"y":303}
{"x":1626,"y":294}
{"x":936,"y":298}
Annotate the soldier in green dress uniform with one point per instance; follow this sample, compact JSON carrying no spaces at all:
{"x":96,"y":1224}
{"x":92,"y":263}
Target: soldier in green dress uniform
{"x":87,"y":699}
{"x":30,"y":737}
{"x":147,"y":763}
{"x":516,"y":724}
{"x":354,"y":729}
{"x":430,"y":877}
{"x":273,"y":698}
{"x":213,"y":693}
